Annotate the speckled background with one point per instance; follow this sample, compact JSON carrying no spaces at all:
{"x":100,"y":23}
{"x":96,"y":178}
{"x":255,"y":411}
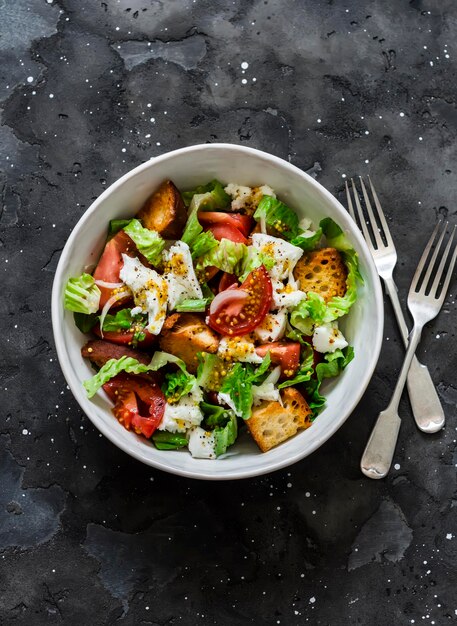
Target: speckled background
{"x":90,"y":89}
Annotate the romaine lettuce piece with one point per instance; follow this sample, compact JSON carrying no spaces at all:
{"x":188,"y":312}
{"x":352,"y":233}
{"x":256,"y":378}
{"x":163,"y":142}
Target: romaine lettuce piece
{"x":163,"y":440}
{"x":193,"y":306}
{"x":225,"y":436}
{"x":228,"y":256}
{"x":148,"y":242}
{"x":216,"y":188}
{"x":177,"y":384}
{"x":112,"y":368}
{"x":307,"y":240}
{"x":115,"y":226}
{"x":278,"y":216}
{"x":204,"y":243}
{"x":335,"y":235}
{"x":205,"y":198}
{"x":334,"y":364}
{"x":238,"y":385}
{"x":82,"y":294}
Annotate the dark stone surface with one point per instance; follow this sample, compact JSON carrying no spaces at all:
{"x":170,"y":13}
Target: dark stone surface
{"x":90,"y":89}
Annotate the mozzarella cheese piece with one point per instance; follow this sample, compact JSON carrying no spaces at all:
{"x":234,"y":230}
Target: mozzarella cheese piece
{"x":182,"y":415}
{"x":265,"y":391}
{"x":273,"y":327}
{"x":201,"y":443}
{"x":149,"y":290}
{"x":328,"y":338}
{"x":180,"y":275}
{"x":286,"y":296}
{"x":238,"y":349}
{"x":247,"y":197}
{"x":284,"y":253}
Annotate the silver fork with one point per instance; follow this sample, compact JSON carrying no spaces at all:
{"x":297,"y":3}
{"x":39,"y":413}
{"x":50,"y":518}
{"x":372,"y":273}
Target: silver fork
{"x":427,"y":410}
{"x":424,"y":304}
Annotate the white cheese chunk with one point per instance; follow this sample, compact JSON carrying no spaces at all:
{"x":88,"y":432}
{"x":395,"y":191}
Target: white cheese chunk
{"x":272,"y":327}
{"x":182,"y":415}
{"x":180,"y":275}
{"x":247,"y":197}
{"x":149,"y":290}
{"x":201,"y":443}
{"x":327,"y":338}
{"x":284,"y":253}
{"x":286,"y":296}
{"x":238,"y":349}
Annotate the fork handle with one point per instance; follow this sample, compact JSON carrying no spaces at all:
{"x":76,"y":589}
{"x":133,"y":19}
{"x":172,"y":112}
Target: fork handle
{"x":379,"y":451}
{"x":425,"y":403}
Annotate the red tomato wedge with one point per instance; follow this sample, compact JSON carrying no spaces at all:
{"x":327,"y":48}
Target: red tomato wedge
{"x":227,"y":280}
{"x":282,"y":353}
{"x":138,"y":402}
{"x":110,"y":264}
{"x":125,"y":337}
{"x":225,"y":231}
{"x":238,"y":310}
{"x":219,"y":218}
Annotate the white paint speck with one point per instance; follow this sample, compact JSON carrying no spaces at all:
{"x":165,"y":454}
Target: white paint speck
{"x":307,"y":494}
{"x":319,"y":120}
{"x":51,"y":95}
{"x":449,"y":536}
{"x":25,"y":431}
{"x":397,"y":466}
{"x":244,"y":65}
{"x":402,"y":114}
{"x":244,"y":81}
{"x":30,"y":79}
{"x":312,"y":600}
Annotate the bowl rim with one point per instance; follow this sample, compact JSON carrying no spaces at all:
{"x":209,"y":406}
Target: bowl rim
{"x":76,"y":387}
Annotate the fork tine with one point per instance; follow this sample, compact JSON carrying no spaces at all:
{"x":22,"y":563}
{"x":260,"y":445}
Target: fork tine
{"x":431,"y":263}
{"x":382,"y":218}
{"x":349,"y":201}
{"x":450,"y":271}
{"x":363,"y":224}
{"x":424,"y":257}
{"x":440,"y":271}
{"x":374,"y":226}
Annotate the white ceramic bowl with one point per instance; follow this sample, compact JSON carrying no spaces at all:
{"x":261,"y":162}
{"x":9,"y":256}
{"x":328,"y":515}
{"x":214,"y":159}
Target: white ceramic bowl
{"x":188,"y":167}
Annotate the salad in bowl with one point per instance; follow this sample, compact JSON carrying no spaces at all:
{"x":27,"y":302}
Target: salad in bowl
{"x":213,"y":310}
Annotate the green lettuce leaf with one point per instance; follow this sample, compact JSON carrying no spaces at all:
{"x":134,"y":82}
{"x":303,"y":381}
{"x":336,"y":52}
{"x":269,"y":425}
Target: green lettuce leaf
{"x":164,"y":440}
{"x":335,"y":235}
{"x":193,"y":306}
{"x":205,"y":198}
{"x":216,"y":188}
{"x":225,"y":436}
{"x":228,"y":256}
{"x":238,"y":384}
{"x":148,"y":242}
{"x":85,"y":322}
{"x":115,"y":226}
{"x":278,"y":216}
{"x":204,"y":243}
{"x":130,"y":365}
{"x":332,"y":366}
{"x":178,"y":384}
{"x":253,"y":259}
{"x":208,"y":365}
{"x":82,"y":294}
{"x":307,"y":241}
{"x":215,"y":415}
{"x":111,"y":369}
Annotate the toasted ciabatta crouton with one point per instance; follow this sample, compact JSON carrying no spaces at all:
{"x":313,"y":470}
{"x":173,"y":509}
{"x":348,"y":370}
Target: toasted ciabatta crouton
{"x":271,"y":423}
{"x":185,"y":334}
{"x":323,"y":272}
{"x":165,"y":212}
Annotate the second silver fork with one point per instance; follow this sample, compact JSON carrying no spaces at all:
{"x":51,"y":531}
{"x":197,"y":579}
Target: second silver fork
{"x":427,"y":410}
